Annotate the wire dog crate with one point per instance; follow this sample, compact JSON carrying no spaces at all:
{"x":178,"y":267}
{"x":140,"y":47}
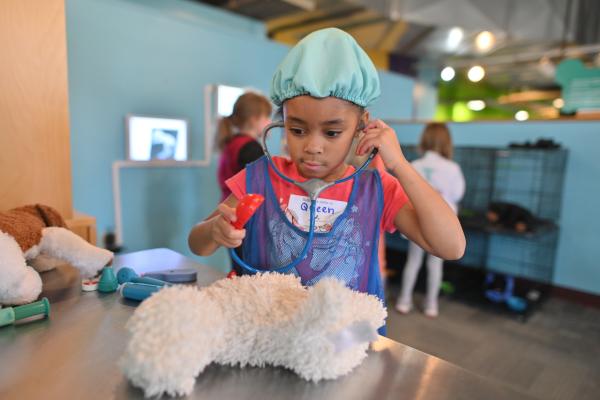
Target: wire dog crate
{"x":530,"y":178}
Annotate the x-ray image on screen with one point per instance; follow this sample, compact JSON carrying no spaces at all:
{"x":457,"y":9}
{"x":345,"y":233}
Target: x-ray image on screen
{"x":164,"y":142}
{"x":151,"y":138}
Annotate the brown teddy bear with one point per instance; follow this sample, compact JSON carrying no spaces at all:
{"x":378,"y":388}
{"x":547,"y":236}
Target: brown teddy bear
{"x":34,"y":239}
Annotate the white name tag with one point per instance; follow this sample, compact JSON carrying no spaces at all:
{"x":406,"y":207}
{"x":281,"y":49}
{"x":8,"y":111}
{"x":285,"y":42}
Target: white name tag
{"x":327,"y":211}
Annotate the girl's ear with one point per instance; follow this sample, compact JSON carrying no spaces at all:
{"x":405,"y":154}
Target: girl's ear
{"x":364,"y":120}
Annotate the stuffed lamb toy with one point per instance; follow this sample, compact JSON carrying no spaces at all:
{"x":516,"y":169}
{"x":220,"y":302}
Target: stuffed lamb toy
{"x":34,"y":239}
{"x":319,"y":332}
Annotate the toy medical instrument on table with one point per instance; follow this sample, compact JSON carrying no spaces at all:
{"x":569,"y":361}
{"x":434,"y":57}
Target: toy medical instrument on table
{"x":126,"y":274}
{"x":108,"y":281}
{"x":135,"y":287}
{"x":138,"y":291}
{"x":181,"y":275}
{"x":313,"y":187}
{"x":90,"y":284}
{"x":9,"y":315}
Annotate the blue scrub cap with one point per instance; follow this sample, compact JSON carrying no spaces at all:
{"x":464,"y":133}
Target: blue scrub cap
{"x":327,"y":62}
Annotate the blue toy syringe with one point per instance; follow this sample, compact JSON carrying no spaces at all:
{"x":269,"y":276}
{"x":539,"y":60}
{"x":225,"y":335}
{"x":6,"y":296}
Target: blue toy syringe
{"x":138,"y":291}
{"x":126,"y":274}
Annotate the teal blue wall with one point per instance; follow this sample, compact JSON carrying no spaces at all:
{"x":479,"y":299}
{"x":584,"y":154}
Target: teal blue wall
{"x":396,"y":97}
{"x":155,"y":57}
{"x":577,"y":262}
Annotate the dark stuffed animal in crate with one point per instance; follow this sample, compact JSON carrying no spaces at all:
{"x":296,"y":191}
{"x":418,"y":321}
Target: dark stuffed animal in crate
{"x":512,"y":216}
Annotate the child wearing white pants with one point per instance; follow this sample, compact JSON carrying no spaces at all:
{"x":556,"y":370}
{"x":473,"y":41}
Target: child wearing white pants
{"x":446,"y":177}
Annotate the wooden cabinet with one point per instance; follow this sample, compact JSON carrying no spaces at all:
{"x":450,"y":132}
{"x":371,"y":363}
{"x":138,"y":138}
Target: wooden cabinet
{"x":35,"y":161}
{"x":84,"y":226}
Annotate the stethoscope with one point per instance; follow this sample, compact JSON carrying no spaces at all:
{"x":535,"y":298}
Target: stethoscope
{"x":313,"y":187}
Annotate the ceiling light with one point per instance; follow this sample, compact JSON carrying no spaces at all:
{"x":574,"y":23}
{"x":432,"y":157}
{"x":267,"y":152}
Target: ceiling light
{"x":455,"y":36}
{"x":447,"y":74}
{"x":476,"y":73}
{"x":476,"y":105}
{"x":485,"y":41}
{"x":521,"y":115}
{"x":558,"y":103}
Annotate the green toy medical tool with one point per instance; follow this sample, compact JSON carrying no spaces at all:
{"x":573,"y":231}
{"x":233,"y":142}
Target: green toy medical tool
{"x":9,"y":315}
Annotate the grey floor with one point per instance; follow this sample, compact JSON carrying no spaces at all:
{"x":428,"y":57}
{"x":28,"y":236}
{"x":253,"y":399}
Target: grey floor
{"x":554,"y":355}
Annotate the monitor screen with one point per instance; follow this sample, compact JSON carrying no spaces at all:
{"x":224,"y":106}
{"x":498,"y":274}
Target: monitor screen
{"x":155,"y":138}
{"x":226,"y":98}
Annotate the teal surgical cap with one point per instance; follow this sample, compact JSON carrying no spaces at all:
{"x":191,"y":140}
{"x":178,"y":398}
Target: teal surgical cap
{"x":328,"y":62}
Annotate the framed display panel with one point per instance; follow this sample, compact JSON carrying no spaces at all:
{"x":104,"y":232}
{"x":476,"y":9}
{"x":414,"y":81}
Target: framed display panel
{"x":151,"y":138}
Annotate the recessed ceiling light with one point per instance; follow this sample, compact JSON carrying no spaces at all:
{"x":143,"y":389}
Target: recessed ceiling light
{"x":558,"y":103}
{"x":485,"y":41}
{"x":521,"y":115}
{"x":476,"y":105}
{"x":476,"y":73}
{"x":455,"y":36}
{"x":447,"y":74}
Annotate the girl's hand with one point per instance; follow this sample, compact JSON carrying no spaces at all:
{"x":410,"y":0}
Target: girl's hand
{"x":379,"y":135}
{"x":222,"y":231}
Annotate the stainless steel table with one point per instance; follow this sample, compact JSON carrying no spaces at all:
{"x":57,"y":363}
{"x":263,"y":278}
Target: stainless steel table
{"x":74,"y":354}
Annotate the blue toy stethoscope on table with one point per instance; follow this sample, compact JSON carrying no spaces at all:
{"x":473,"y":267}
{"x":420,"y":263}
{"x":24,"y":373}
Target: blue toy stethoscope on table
{"x":313,"y":187}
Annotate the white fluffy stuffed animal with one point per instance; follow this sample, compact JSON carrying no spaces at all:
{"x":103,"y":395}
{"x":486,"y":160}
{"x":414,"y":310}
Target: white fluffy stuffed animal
{"x":320,"y":332}
{"x":34,"y":239}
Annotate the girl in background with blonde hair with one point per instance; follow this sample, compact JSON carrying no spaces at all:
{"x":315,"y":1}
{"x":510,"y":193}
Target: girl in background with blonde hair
{"x":446,"y":177}
{"x":237,"y":136}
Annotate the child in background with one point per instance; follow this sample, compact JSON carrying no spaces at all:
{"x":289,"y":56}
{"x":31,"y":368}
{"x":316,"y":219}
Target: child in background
{"x":323,"y":86}
{"x":237,"y":136}
{"x":237,"y":139}
{"x":446,"y":177}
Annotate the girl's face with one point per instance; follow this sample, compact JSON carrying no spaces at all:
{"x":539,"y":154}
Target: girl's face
{"x":256,"y":125}
{"x":262,"y":122}
{"x":319,"y":134}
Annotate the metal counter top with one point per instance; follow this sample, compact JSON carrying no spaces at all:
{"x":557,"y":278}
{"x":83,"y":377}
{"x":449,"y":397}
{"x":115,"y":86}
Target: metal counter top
{"x":74,"y":354}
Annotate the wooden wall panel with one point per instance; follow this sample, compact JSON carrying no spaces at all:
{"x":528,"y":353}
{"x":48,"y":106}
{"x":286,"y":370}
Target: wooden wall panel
{"x":35,"y":163}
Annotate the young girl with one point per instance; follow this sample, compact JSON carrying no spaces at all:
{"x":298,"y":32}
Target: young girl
{"x":446,"y":177}
{"x":323,"y":86}
{"x":237,"y":136}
